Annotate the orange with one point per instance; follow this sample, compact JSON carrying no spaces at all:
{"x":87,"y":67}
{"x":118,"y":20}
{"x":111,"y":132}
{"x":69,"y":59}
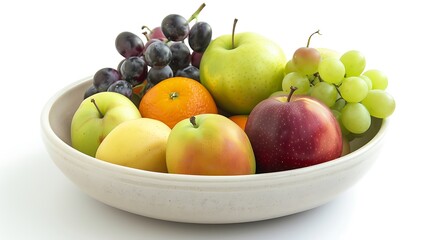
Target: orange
{"x":240,"y":120}
{"x":175,"y":99}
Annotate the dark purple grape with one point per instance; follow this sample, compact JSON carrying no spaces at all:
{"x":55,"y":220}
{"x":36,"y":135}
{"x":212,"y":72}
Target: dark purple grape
{"x":149,"y":43}
{"x":120,"y":64}
{"x":156,"y":75}
{"x":90,"y":91}
{"x":104,"y":77}
{"x":134,"y":70}
{"x":158,"y":54}
{"x":175,"y":27}
{"x":128,"y":44}
{"x":200,"y":36}
{"x":123,"y":87}
{"x":181,"y":56}
{"x":189,"y":72}
{"x":196,"y":59}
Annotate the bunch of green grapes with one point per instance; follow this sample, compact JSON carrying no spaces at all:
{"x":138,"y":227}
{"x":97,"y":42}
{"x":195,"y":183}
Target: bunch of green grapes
{"x":341,"y":82}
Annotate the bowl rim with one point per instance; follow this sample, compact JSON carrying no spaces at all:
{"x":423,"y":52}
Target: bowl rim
{"x":50,"y":136}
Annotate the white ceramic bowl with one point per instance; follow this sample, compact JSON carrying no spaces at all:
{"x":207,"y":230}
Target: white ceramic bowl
{"x":201,"y":199}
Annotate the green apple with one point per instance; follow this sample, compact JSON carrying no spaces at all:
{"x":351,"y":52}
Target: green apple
{"x":240,"y":70}
{"x":96,"y":116}
{"x":209,"y":144}
{"x":139,"y":143}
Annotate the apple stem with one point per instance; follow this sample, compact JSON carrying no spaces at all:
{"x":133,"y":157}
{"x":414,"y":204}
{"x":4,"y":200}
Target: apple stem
{"x":193,"y":121}
{"x":309,"y":38}
{"x":233,"y":32}
{"x":95,"y":104}
{"x":196,"y":13}
{"x":292,"y":90}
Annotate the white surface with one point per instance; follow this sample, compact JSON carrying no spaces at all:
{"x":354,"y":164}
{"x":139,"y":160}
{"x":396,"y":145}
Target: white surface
{"x":46,"y":45}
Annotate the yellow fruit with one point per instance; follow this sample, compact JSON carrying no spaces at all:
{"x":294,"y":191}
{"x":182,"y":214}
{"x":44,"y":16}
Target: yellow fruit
{"x":139,"y":143}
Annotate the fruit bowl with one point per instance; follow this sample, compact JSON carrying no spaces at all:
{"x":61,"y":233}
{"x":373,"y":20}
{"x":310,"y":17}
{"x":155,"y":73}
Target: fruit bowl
{"x":201,"y":199}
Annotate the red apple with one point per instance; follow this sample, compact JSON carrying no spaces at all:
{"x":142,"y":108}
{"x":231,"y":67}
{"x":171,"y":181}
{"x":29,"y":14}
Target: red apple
{"x":288,"y":132}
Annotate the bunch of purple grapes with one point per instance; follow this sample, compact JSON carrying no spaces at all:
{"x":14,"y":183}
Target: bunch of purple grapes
{"x":172,"y":49}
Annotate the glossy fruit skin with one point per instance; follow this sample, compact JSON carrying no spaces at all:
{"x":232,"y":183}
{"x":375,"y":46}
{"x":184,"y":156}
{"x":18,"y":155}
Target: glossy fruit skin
{"x":139,"y":143}
{"x":180,"y":56}
{"x":217,"y":146}
{"x":175,"y":99}
{"x":157,"y":54}
{"x":175,"y":27}
{"x":289,"y":135}
{"x":189,"y":72}
{"x":128,"y":44}
{"x":306,"y":60}
{"x":200,"y":36}
{"x":104,"y":77}
{"x":240,"y":120}
{"x":240,"y":78}
{"x":134,"y":70}
{"x":123,"y":87}
{"x":88,"y":128}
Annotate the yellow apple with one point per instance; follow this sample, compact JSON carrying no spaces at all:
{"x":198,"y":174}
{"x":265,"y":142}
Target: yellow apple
{"x":96,"y":116}
{"x":139,"y":143}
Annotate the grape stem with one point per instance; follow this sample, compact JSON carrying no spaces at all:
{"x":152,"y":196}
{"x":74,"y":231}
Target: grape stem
{"x":292,"y":90}
{"x":145,"y":34}
{"x":317,"y":75}
{"x":196,"y":13}
{"x":309,"y":38}
{"x":193,"y":121}
{"x":233,"y":33}
{"x":146,"y":27}
{"x":95,"y":104}
{"x":338,"y":90}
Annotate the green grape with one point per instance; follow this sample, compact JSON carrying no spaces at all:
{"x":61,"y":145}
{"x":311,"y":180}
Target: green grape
{"x":354,"y":63}
{"x":337,"y":115}
{"x":298,"y":80}
{"x":339,"y":104}
{"x":355,"y":118}
{"x":313,"y":80}
{"x":327,"y":53}
{"x":379,"y":103}
{"x":306,"y":60}
{"x":379,"y":79}
{"x":367,"y":81}
{"x":325,"y":92}
{"x":353,"y":89}
{"x":332,"y":70}
{"x":290,"y":67}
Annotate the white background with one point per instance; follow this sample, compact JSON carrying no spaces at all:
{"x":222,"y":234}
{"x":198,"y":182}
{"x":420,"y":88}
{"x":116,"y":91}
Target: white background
{"x":46,"y":45}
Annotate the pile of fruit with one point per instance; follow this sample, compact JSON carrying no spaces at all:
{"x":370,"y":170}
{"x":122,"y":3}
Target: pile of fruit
{"x":184,"y":103}
{"x":164,"y":55}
